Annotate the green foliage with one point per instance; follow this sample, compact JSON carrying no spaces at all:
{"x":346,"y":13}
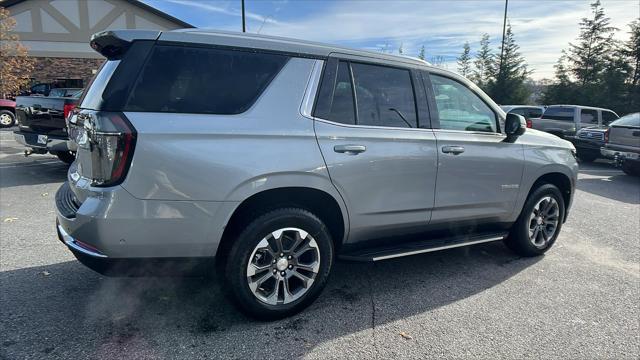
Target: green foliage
{"x":483,"y":62}
{"x":422,"y":54}
{"x":400,"y":49}
{"x":464,"y":61}
{"x":508,"y":74}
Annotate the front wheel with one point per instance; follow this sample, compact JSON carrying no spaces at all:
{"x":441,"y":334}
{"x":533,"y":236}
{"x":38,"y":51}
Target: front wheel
{"x":631,"y":168}
{"x":539,"y":224}
{"x":586,"y":156}
{"x":279,"y":263}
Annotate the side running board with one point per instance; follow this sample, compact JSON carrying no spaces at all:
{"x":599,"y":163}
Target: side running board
{"x":420,"y":247}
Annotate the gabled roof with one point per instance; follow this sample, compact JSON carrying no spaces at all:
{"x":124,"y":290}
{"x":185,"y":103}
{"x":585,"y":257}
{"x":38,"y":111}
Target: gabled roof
{"x":140,"y":4}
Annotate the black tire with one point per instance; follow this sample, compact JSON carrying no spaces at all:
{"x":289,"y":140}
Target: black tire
{"x":243,"y":247}
{"x":631,"y":168}
{"x":587,"y":156}
{"x":6,"y":114}
{"x":518,"y":239}
{"x":66,"y":156}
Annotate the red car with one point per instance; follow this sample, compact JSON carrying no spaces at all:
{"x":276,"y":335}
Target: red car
{"x":7,"y":113}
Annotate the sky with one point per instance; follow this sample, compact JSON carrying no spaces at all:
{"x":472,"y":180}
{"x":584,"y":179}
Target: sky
{"x":542,"y":28}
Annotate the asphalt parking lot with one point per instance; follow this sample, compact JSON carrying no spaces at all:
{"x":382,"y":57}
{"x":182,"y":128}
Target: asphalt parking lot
{"x":578,"y":301}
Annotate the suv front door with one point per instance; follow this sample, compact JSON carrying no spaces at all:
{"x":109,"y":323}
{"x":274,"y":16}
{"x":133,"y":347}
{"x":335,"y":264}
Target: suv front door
{"x":479,"y":174}
{"x":380,"y":160}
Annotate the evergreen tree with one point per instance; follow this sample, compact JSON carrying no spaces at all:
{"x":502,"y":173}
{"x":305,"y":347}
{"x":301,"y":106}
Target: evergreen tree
{"x":464,"y":61}
{"x":400,"y":49}
{"x":588,"y":55}
{"x":482,"y":63}
{"x":508,"y":75}
{"x":422,"y":55}
{"x":632,"y":50}
{"x":562,"y":91}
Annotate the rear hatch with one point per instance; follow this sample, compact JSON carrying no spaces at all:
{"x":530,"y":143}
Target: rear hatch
{"x":104,"y":136}
{"x":625,"y":133}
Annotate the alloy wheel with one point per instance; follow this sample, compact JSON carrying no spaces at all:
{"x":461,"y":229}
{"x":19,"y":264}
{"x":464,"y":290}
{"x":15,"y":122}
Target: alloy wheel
{"x":543,"y":221}
{"x":6,"y":120}
{"x":283,"y":266}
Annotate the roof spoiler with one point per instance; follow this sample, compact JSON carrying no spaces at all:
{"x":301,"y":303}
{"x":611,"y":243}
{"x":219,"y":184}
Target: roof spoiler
{"x":112,"y":44}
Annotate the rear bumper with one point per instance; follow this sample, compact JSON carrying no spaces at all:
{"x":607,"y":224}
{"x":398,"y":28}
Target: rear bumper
{"x":43,"y":141}
{"x":619,"y":155}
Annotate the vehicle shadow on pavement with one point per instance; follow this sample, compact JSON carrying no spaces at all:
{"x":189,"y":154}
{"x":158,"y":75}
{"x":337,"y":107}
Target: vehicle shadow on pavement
{"x":35,"y":170}
{"x":66,"y":310}
{"x":620,"y":187}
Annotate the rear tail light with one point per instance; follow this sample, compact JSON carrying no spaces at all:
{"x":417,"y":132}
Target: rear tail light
{"x":105,"y":146}
{"x":606,"y":135}
{"x":68,"y":108}
{"x":529,"y":123}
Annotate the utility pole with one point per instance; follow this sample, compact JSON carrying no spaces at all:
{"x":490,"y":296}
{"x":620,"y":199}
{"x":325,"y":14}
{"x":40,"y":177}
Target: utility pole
{"x":244,"y":27}
{"x":504,"y":28}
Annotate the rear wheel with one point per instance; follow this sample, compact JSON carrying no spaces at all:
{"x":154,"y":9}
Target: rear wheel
{"x":587,"y":156}
{"x":631,"y":168}
{"x":539,"y":224}
{"x":279,"y":263}
{"x":66,"y":156}
{"x":7,"y":119}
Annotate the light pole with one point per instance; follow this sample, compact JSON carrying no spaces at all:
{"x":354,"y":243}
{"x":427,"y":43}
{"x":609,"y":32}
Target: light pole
{"x":244,"y":27}
{"x":504,"y":28}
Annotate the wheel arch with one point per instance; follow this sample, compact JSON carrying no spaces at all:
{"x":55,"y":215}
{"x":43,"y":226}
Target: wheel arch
{"x":327,"y":207}
{"x":561,"y":181}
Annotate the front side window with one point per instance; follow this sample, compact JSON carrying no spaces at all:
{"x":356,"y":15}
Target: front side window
{"x":384,"y":96}
{"x":459,"y":108}
{"x":202,"y":80}
{"x":559,"y":113}
{"x":589,"y":116}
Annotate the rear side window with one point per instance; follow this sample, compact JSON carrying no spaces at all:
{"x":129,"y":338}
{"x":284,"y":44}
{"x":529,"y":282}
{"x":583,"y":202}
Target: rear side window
{"x":608,"y":117}
{"x":202,"y":80}
{"x":534,"y":113}
{"x":559,"y":113}
{"x":384,"y":96}
{"x":588,"y":116}
{"x":342,"y":107}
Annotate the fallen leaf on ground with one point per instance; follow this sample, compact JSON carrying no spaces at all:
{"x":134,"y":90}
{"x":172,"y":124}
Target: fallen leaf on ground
{"x":46,"y":273}
{"x":45,"y":194}
{"x":10,"y":219}
{"x":405,"y":335}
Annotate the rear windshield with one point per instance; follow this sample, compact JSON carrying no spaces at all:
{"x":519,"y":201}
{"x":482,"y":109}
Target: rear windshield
{"x":631,"y":120}
{"x":559,"y":113}
{"x":182,"y":79}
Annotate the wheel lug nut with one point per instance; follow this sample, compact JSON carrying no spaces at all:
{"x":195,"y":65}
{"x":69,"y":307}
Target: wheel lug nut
{"x":281,"y":255}
{"x":273,"y":262}
{"x":283,"y":273}
{"x":289,"y":257}
{"x":275,"y":271}
{"x":290,"y":266}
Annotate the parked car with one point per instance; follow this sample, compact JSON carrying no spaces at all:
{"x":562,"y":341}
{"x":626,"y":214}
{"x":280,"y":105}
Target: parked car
{"x":65,"y":92}
{"x":275,"y":156}
{"x":7,"y":113}
{"x":565,"y":120}
{"x":527,"y":111}
{"x":41,"y":125}
{"x":623,"y":143}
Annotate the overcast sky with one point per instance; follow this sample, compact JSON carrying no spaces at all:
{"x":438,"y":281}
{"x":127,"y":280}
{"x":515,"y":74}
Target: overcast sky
{"x":542,"y":27}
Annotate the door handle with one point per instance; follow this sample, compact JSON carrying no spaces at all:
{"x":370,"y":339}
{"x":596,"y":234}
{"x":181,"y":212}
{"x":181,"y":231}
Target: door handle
{"x":350,"y":149}
{"x":455,"y":150}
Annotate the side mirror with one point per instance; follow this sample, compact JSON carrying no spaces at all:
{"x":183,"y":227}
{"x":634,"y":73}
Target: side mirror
{"x":514,"y":126}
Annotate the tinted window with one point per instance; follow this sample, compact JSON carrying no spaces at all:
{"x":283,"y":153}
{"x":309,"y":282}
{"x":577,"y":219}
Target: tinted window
{"x":459,"y":108}
{"x":384,"y":96}
{"x":534,"y":113}
{"x":56,"y":92}
{"x":608,"y":117}
{"x":342,"y":109}
{"x":202,"y":80}
{"x":628,"y":120}
{"x":559,"y":113}
{"x":519,"y":111}
{"x":588,"y":116}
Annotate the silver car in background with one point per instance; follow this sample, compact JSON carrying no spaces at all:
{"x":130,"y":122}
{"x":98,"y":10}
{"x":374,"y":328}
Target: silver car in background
{"x":565,"y":120}
{"x":276,"y":156}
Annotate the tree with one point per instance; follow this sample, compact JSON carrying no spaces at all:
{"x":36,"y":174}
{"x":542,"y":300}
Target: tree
{"x":421,"y":55}
{"x":15,"y":65}
{"x":632,"y":51}
{"x":400,"y":49}
{"x":464,"y":61}
{"x":506,"y":84}
{"x":588,"y":56}
{"x":562,"y":90}
{"x":483,"y":62}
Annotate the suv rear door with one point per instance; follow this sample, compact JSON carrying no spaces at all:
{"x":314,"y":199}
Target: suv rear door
{"x":372,"y":125}
{"x":479,"y":173}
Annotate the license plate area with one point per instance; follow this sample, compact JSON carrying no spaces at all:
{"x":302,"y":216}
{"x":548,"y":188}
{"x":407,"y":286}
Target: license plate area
{"x":42,"y":139}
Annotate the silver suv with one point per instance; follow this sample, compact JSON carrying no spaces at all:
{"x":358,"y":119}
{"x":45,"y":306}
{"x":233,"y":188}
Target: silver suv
{"x":276,"y":156}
